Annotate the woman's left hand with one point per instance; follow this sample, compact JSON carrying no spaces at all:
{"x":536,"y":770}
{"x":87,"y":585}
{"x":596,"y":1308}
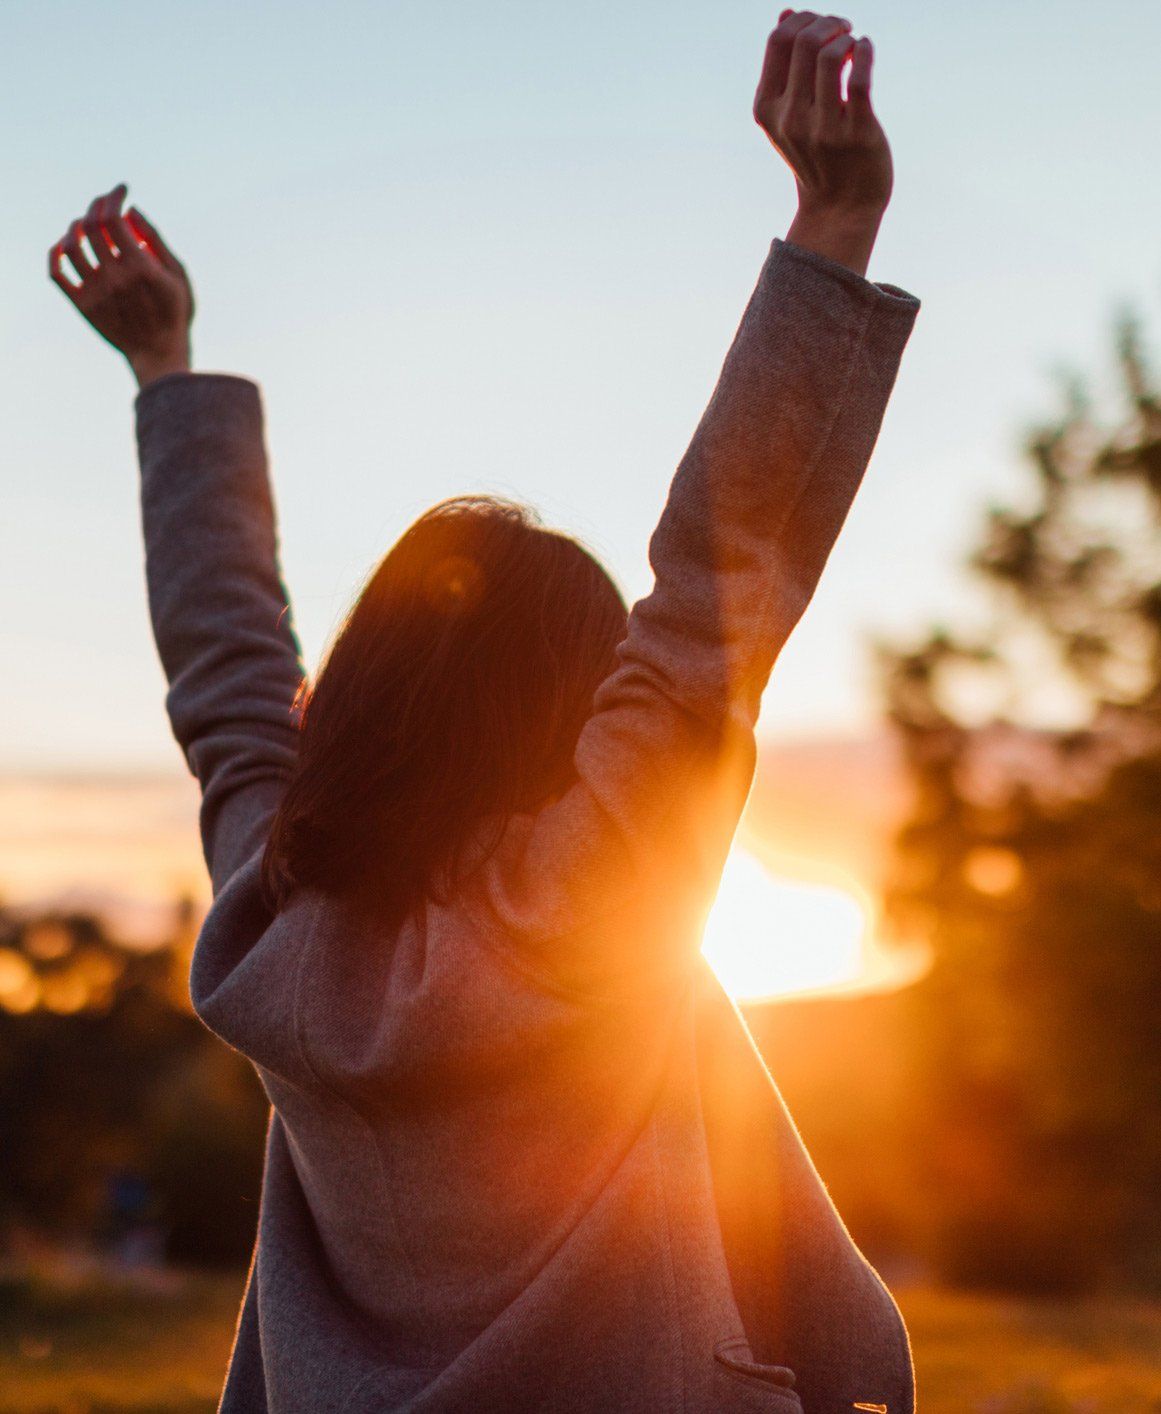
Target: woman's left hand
{"x":129,"y":286}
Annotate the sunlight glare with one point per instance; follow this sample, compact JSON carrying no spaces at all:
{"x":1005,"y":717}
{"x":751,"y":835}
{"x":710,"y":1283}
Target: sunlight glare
{"x":768,"y":936}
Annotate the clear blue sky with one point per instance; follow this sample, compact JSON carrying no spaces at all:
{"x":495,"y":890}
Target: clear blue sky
{"x":505,"y":246}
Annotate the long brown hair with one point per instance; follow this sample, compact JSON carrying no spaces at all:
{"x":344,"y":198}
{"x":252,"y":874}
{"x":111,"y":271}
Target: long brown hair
{"x":453,"y":694}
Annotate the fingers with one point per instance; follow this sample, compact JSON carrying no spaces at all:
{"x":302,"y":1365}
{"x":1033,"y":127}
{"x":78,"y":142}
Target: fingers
{"x":779,"y":48}
{"x":91,"y":227}
{"x":828,"y":74}
{"x":859,"y":83}
{"x":90,"y":245}
{"x":808,"y":44}
{"x":72,"y":247}
{"x":148,"y":234}
{"x":56,"y":271}
{"x":116,"y":231}
{"x":803,"y":68}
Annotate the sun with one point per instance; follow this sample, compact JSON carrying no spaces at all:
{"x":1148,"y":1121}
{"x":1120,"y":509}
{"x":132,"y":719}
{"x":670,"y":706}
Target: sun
{"x":767,"y":936}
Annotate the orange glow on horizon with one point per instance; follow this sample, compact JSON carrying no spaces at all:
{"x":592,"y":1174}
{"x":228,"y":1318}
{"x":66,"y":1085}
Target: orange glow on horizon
{"x":785,"y":921}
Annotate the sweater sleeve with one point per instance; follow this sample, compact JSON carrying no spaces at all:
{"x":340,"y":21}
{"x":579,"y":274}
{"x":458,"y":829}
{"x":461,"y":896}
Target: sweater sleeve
{"x":218,"y":606}
{"x":618,"y":874}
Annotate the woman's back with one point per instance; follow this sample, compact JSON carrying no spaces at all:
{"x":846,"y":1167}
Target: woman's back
{"x":477,"y":1159}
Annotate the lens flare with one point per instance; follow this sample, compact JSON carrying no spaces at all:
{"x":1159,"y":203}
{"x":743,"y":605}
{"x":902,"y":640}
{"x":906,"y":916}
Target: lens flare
{"x":769,"y":936}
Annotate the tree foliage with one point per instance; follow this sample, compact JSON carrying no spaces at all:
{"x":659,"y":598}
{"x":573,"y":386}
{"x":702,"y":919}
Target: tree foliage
{"x":118,"y":1110}
{"x":1031,"y":864}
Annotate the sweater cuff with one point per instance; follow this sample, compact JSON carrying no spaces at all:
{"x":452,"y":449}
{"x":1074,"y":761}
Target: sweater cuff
{"x":187,"y":378}
{"x":198,"y":386}
{"x":889,"y":298}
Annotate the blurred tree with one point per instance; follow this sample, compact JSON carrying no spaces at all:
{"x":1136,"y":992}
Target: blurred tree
{"x":1031,"y":862}
{"x":108,"y":1082}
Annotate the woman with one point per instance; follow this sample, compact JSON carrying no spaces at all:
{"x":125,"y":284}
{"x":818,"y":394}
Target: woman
{"x":522,"y":1155}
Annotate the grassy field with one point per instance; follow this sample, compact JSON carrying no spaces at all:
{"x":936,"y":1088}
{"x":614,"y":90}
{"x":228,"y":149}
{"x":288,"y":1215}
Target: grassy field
{"x":102,"y":1350}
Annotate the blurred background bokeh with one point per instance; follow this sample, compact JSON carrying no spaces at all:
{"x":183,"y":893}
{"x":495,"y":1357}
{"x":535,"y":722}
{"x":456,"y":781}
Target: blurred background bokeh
{"x":505,"y":249}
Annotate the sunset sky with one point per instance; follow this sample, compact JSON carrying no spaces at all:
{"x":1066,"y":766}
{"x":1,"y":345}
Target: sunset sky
{"x":505,"y":247}
{"x":797,"y":909}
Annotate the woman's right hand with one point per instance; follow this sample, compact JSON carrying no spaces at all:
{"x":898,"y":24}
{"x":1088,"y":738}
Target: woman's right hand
{"x":129,"y":286}
{"x":834,"y":145}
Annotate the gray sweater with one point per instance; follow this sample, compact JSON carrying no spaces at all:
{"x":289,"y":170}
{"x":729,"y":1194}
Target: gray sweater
{"x":523,"y":1155}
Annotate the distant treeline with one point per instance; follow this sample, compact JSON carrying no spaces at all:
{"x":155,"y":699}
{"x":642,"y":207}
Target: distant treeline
{"x":126,"y":1127}
{"x":121,"y":1117}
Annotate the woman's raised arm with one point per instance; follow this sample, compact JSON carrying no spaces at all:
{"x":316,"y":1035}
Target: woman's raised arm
{"x":612,"y":880}
{"x":219,"y":609}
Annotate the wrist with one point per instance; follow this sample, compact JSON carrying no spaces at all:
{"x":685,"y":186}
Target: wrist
{"x":149,"y":367}
{"x":844,"y":234}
